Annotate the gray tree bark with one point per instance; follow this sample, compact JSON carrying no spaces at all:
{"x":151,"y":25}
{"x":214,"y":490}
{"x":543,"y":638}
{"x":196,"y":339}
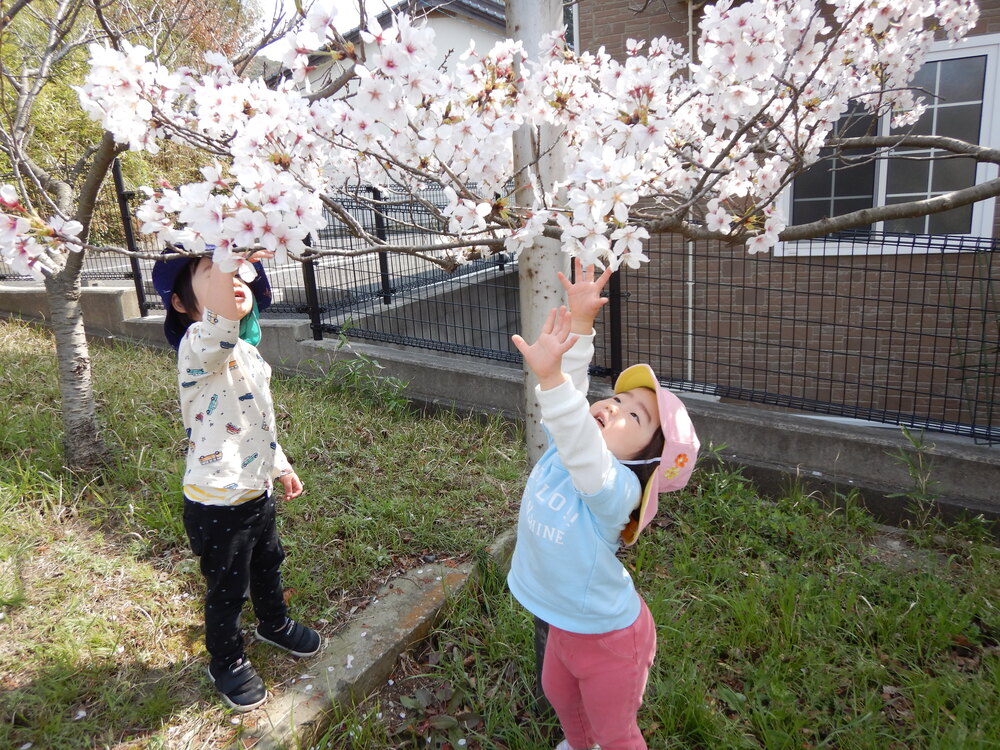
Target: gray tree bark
{"x":538,"y":150}
{"x":83,"y":447}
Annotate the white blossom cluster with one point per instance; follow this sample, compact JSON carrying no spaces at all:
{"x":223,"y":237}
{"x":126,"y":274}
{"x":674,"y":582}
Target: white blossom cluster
{"x":29,"y":244}
{"x":651,"y":142}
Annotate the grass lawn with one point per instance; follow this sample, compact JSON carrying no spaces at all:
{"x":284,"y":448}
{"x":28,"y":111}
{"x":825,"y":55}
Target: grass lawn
{"x":101,"y":641}
{"x":779,"y":624}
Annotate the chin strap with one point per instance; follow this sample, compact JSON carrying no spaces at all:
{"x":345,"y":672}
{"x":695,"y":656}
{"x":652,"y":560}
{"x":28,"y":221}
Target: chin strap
{"x":642,"y":463}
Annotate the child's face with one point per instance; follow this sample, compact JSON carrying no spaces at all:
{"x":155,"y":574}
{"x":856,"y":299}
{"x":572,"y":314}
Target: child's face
{"x":200,"y":280}
{"x":628,"y":421}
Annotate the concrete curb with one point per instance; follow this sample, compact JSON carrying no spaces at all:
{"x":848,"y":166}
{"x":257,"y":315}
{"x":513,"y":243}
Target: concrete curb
{"x":359,"y":659}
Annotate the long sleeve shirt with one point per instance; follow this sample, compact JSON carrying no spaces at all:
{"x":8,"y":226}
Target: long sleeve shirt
{"x":574,"y":507}
{"x":227,"y":409}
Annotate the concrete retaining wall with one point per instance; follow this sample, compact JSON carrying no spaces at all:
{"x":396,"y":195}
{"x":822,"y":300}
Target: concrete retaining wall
{"x":774,"y":447}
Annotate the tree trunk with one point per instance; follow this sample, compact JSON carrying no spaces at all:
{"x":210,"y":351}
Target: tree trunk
{"x":83,"y":448}
{"x":540,"y":290}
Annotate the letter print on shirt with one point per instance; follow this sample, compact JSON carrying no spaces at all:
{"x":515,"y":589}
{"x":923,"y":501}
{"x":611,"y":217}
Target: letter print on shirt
{"x":552,"y":501}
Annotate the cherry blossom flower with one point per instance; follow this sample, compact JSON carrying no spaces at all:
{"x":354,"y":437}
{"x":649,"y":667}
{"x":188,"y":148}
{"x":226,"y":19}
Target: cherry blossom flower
{"x":773,"y":78}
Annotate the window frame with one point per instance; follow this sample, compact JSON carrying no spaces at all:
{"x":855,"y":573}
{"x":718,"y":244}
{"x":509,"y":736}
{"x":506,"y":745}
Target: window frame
{"x":987,"y":45}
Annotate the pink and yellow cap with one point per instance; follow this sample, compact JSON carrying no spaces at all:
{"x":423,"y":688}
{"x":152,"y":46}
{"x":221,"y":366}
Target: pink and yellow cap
{"x":680,"y":447}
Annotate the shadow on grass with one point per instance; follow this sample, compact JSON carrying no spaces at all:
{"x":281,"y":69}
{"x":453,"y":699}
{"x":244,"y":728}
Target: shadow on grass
{"x":68,"y":705}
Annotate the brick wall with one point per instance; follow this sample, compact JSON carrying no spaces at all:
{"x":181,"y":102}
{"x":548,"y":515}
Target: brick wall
{"x":612,"y":22}
{"x":914,"y":334}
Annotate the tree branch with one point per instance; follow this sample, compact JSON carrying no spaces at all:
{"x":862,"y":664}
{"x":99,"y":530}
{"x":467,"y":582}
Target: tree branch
{"x":333,"y":87}
{"x":13,"y":11}
{"x":937,"y":204}
{"x":955,"y":146}
{"x":99,"y":167}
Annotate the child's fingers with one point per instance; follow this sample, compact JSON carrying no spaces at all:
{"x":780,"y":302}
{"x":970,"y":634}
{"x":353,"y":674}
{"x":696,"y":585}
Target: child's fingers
{"x":564,"y":323}
{"x":550,"y":320}
{"x":262,"y":254}
{"x":566,"y":345}
{"x":520,"y":343}
{"x":564,"y":281}
{"x":601,"y":280}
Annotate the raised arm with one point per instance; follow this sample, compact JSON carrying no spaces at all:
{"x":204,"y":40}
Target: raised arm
{"x":563,"y":403}
{"x":544,"y":356}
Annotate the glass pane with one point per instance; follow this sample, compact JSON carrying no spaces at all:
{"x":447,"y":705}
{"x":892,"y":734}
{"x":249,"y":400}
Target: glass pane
{"x":960,"y":122}
{"x":855,"y":181}
{"x":916,"y":225}
{"x":924,"y":79}
{"x":804,"y":212}
{"x":854,"y":204}
{"x":962,"y":79}
{"x":904,"y":176}
{"x":852,"y":126}
{"x":909,"y":226}
{"x":956,"y":221}
{"x":815,"y":182}
{"x":953,"y":174}
{"x":841,"y":207}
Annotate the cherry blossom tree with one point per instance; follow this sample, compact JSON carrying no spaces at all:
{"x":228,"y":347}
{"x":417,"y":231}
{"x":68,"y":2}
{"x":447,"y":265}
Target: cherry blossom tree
{"x":55,"y":167}
{"x":655,"y":143}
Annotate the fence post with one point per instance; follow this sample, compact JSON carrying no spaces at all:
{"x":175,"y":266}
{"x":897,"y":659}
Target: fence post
{"x":383,"y":257}
{"x":311,"y":290}
{"x":615,"y":324}
{"x":123,"y":208}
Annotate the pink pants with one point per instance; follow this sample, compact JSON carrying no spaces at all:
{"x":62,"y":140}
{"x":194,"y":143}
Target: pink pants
{"x":596,"y":682}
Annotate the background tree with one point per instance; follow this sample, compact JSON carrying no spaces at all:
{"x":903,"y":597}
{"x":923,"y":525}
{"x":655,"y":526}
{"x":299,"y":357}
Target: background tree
{"x":651,"y":144}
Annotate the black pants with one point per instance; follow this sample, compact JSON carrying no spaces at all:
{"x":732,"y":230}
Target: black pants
{"x":240,"y":554}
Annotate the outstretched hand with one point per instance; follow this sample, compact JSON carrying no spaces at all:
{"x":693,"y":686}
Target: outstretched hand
{"x":544,"y":357}
{"x":584,"y":295}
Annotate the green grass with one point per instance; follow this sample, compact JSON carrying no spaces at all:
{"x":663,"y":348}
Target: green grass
{"x":101,"y":638}
{"x":779,"y":625}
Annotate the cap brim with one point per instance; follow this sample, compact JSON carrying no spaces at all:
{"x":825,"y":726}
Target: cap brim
{"x":637,"y":376}
{"x":647,"y":511}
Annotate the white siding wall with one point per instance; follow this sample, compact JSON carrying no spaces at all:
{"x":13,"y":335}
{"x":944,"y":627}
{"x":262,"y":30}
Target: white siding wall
{"x":450,"y":34}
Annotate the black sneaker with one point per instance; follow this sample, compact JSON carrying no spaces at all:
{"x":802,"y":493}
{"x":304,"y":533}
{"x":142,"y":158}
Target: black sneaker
{"x":240,"y":685}
{"x":295,"y":638}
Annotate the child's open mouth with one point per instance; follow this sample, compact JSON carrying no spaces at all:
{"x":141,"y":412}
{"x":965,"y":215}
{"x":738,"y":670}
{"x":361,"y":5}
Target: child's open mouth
{"x":599,"y":419}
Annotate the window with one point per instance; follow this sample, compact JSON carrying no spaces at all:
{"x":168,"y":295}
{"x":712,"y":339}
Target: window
{"x":571,"y":20}
{"x":960,"y":85}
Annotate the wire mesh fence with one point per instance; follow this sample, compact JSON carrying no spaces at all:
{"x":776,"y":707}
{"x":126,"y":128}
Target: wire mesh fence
{"x":892,"y":328}
{"x":405,"y":299}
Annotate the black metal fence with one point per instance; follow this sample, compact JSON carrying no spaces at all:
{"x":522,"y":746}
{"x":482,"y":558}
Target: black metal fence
{"x":889,"y":328}
{"x":401,"y":298}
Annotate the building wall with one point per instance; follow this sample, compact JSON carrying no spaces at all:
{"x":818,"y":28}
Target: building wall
{"x":913,"y":334}
{"x":611,"y":22}
{"x":452,"y":37}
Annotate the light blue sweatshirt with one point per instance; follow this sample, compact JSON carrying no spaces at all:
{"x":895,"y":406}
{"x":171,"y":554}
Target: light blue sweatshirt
{"x":576,"y":502}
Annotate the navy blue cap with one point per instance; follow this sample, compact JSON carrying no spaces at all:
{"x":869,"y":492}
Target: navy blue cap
{"x":165,"y":274}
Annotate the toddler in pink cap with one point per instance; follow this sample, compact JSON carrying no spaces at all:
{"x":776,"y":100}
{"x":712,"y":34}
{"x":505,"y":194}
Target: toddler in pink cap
{"x":595,"y":488}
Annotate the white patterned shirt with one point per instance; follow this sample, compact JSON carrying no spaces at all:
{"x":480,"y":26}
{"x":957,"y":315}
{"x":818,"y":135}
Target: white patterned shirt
{"x":227,"y":409}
